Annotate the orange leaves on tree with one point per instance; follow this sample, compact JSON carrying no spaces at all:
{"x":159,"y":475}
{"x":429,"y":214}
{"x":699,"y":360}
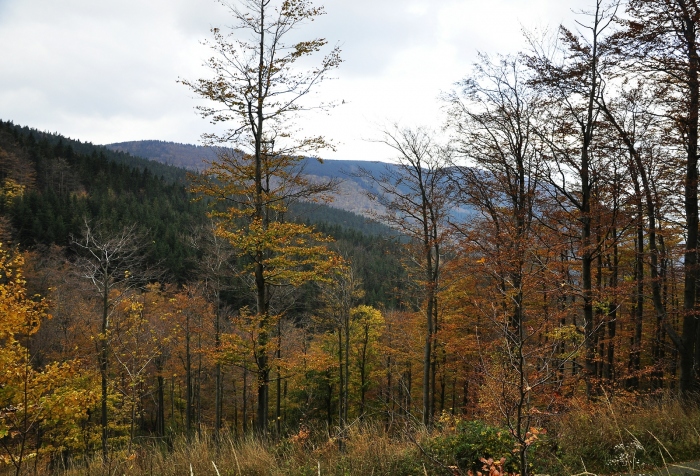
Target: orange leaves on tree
{"x":52,"y":399}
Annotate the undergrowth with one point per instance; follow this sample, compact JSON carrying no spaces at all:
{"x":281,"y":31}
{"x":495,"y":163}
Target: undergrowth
{"x":600,"y":438}
{"x":622,"y":438}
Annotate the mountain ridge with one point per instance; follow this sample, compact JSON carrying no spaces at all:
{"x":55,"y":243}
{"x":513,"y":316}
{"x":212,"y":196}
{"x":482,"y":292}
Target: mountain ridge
{"x":352,"y":191}
{"x":351,"y":196}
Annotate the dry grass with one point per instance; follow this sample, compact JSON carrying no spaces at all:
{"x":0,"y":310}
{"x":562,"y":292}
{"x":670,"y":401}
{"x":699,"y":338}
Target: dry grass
{"x":610,"y":438}
{"x":368,"y":450}
{"x":622,"y":437}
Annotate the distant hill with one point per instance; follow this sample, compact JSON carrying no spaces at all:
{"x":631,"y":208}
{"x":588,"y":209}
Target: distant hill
{"x":351,"y":194}
{"x":186,"y":156}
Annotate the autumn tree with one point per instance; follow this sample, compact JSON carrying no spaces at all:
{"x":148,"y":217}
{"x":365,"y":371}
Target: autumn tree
{"x":416,"y":197}
{"x":367,"y":325}
{"x":49,"y":400}
{"x":402,"y":331}
{"x":339,"y":297}
{"x":659,"y":39}
{"x":572,"y":79}
{"x":216,"y":269}
{"x":142,"y":329}
{"x":632,"y":114}
{"x":160,"y":307}
{"x":257,"y":91}
{"x":194,"y":318}
{"x":111,"y":262}
{"x":494,"y":117}
{"x":500,"y":174}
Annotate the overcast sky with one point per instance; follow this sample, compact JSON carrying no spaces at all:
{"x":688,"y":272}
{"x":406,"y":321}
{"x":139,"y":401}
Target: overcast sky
{"x":106,"y":70}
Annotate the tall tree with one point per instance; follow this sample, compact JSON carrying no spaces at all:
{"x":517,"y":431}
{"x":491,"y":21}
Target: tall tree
{"x":573,"y":82}
{"x":416,"y":197}
{"x":109,"y":261}
{"x":633,"y":119}
{"x":494,"y":117}
{"x":258,"y":92}
{"x":660,"y":39}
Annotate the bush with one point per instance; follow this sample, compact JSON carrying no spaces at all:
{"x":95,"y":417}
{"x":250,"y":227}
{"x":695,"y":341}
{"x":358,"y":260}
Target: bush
{"x":470,"y":441}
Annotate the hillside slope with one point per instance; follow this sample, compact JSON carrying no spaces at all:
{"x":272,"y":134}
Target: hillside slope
{"x":52,"y":185}
{"x":49,"y":186}
{"x":352,"y":191}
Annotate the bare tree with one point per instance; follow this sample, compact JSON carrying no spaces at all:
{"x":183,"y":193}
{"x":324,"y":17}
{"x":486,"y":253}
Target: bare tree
{"x":417,"y":197}
{"x":110,"y":262}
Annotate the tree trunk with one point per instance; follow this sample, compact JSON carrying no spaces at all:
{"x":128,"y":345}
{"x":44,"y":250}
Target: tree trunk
{"x":278,"y":397}
{"x":217,"y":370}
{"x":609,"y":373}
{"x":346,"y":390}
{"x":188,"y":380}
{"x":689,"y":337}
{"x":245,"y":398}
{"x":103,"y":370}
{"x":635,"y":350}
{"x":160,"y":416}
{"x":341,"y":370}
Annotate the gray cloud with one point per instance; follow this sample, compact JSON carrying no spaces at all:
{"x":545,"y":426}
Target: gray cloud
{"x":106,"y":70}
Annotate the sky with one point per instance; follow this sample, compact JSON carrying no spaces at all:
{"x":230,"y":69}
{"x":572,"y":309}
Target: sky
{"x":106,"y":71}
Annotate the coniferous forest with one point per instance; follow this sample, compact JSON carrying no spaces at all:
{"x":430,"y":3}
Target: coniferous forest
{"x":521,"y":298}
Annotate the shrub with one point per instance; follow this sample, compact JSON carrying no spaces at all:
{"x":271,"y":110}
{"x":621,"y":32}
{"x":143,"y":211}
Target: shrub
{"x":471,"y":441}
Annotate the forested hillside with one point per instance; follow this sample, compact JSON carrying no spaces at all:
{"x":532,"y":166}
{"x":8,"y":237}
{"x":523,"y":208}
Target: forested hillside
{"x":191,"y":157}
{"x":52,"y":185}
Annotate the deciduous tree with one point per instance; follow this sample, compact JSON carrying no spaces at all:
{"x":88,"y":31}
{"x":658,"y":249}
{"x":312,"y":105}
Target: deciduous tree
{"x":257,"y":91}
{"x":579,"y":167}
{"x":112,"y":262}
{"x":416,"y":197}
{"x":32,"y":400}
{"x":660,"y":40}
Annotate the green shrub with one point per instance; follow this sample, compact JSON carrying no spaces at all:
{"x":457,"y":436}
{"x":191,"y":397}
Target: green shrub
{"x":470,"y":441}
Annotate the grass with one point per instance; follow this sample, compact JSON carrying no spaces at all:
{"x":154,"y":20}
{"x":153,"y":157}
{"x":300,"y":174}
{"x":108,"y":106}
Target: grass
{"x":600,"y":438}
{"x":626,"y":437}
{"x":368,"y":450}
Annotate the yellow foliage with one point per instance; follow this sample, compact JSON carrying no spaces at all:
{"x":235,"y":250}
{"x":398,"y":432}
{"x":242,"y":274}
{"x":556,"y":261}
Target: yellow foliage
{"x":54,"y":398}
{"x":292,"y":253}
{"x":367,"y":319}
{"x":11,"y":190}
